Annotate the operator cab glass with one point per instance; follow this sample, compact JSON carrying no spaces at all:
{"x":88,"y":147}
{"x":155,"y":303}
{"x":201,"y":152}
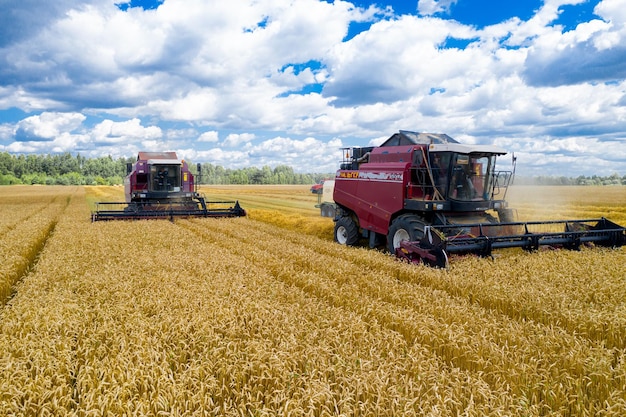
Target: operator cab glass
{"x":464,"y":177}
{"x":165,"y":177}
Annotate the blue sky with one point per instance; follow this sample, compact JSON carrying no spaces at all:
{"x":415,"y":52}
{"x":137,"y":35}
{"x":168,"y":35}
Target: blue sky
{"x":268,"y":82}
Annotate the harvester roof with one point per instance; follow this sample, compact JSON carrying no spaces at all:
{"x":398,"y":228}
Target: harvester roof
{"x":438,"y":142}
{"x":159,"y":157}
{"x":406,"y":137}
{"x":462,"y":148}
{"x":143,"y":156}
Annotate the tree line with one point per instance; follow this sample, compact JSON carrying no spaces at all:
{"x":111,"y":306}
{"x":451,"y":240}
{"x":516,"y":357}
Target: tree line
{"x":63,"y":169}
{"x":281,"y":174}
{"x":66,"y":169}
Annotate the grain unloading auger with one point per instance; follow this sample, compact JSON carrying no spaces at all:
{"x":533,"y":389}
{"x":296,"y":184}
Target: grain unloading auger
{"x":160,"y":186}
{"x":426,"y":196}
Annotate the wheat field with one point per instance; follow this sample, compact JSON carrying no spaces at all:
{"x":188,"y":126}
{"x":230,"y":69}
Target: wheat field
{"x":267,"y":316}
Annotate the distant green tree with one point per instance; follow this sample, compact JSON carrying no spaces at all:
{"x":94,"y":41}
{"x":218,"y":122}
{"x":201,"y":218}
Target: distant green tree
{"x":9,"y":179}
{"x":34,"y":178}
{"x":115,"y":180}
{"x":238,"y":177}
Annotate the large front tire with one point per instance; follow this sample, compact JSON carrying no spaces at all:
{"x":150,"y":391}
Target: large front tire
{"x":407,"y":227}
{"x":346,"y":231}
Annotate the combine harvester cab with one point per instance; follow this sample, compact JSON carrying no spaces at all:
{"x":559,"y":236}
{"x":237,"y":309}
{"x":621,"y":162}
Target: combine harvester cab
{"x":425,"y":196}
{"x":159,"y":185}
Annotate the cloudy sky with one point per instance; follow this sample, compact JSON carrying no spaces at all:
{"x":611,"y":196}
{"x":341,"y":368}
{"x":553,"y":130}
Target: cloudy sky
{"x":266,"y":82}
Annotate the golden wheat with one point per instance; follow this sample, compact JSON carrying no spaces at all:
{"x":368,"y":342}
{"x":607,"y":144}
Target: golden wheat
{"x":29,"y":215}
{"x":572,"y":202}
{"x":369,"y":288}
{"x":267,"y":316}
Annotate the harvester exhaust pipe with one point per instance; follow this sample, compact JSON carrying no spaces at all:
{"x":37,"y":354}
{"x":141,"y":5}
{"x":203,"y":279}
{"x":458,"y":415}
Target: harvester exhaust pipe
{"x":199,"y":169}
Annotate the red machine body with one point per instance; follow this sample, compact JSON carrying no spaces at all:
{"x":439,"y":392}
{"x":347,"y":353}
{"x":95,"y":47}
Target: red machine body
{"x":159,"y":176}
{"x":425,"y":195}
{"x":160,"y":185}
{"x":431,"y":176}
{"x":376,"y":191}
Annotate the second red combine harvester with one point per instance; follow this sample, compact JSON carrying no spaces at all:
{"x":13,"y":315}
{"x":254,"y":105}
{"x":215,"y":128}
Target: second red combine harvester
{"x":159,"y":185}
{"x":425,"y":196}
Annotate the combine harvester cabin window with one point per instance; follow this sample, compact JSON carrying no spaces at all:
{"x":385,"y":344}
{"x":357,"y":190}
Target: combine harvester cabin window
{"x":165,"y":177}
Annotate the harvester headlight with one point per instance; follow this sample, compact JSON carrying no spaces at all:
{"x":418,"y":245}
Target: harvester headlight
{"x":142,"y":195}
{"x":496,"y":205}
{"x":438,"y":206}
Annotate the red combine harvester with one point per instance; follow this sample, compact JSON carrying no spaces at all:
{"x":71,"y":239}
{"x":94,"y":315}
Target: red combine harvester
{"x":159,"y":185}
{"x":426,"y":196}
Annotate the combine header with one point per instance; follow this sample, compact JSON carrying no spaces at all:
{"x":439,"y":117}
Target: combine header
{"x":158,"y":186}
{"x":481,"y":239}
{"x":425,"y":196}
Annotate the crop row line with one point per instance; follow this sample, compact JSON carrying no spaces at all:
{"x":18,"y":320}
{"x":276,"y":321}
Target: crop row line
{"x":600,"y":327}
{"x":93,"y":333}
{"x":376,"y":298}
{"x":22,"y":245}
